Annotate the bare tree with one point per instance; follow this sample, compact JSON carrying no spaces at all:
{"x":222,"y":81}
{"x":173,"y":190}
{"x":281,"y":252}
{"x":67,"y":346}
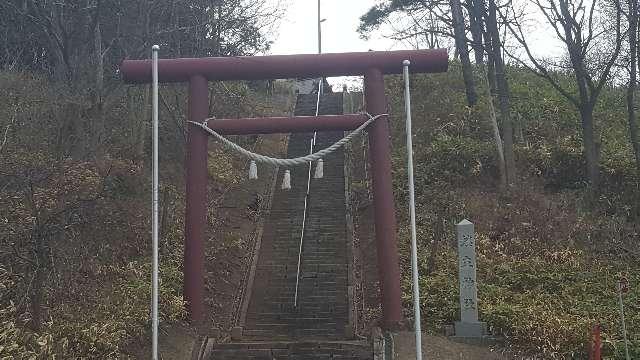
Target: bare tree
{"x":487,"y":74}
{"x":475,"y":9}
{"x":56,"y":200}
{"x":460,"y":35}
{"x":632,"y":18}
{"x":424,"y":23}
{"x":451,"y":14}
{"x":80,"y":44}
{"x":502,"y":86}
{"x":576,"y":25}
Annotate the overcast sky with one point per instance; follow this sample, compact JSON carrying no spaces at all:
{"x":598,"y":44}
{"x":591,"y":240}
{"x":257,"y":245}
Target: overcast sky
{"x":297,"y":33}
{"x":298,"y":30}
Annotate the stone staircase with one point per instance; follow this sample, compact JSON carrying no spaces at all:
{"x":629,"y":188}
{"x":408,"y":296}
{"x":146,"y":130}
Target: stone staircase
{"x":317,"y":327}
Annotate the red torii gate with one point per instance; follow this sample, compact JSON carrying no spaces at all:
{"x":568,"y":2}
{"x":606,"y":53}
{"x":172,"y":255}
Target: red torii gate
{"x":373,"y":65}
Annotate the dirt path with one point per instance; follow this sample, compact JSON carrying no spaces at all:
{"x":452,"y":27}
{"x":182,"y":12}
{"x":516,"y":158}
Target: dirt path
{"x":441,"y":348}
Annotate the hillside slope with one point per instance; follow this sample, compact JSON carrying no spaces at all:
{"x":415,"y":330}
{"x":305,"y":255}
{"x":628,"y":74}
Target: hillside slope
{"x":549,"y":257}
{"x":75,"y":262}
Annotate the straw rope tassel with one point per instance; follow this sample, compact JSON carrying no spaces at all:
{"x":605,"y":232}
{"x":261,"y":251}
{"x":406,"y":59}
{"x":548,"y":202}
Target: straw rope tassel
{"x":253,"y":170}
{"x":286,"y":180}
{"x":319,"y":170}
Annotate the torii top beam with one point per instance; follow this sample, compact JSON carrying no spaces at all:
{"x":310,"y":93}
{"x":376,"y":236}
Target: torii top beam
{"x":285,"y":66}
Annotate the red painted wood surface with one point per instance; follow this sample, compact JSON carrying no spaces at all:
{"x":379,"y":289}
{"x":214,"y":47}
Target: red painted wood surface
{"x":196,"y":204}
{"x":295,"y":124}
{"x":285,"y":66}
{"x":384,"y":209}
{"x":595,"y":343}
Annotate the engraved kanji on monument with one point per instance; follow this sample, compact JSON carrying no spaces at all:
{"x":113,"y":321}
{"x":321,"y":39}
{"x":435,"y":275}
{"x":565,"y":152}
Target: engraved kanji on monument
{"x":468,"y":326}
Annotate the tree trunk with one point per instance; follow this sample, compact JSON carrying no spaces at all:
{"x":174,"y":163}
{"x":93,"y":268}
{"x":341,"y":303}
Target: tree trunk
{"x":518,"y":133}
{"x":164,"y":218}
{"x":138,"y":104}
{"x":487,"y":76}
{"x":37,"y":288}
{"x":36,"y":298}
{"x":493,"y":121}
{"x":633,"y":74}
{"x":587,"y":99}
{"x":463,"y":51}
{"x":502,"y":87}
{"x":98,"y":123}
{"x":486,"y":36}
{"x":591,"y":146}
{"x":475,"y":22}
{"x":435,"y":248}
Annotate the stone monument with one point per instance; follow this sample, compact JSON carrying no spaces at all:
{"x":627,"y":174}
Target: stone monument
{"x":468,"y":326}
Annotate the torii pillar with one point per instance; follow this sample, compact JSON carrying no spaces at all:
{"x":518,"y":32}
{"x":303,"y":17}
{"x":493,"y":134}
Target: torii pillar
{"x":372,"y":65}
{"x":195,"y":220}
{"x":384,"y":208}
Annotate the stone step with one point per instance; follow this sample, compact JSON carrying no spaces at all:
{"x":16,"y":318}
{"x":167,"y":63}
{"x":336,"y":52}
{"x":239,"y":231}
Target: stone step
{"x":285,"y":304}
{"x":296,"y":334}
{"x":278,"y":307}
{"x":293,"y":350}
{"x":307,"y":303}
{"x":313,"y":269}
{"x":282,"y":279}
{"x":328,"y":262}
{"x":295,"y":325}
{"x":267,"y":279}
{"x":311,"y":243}
{"x":321,"y":250}
{"x":311,"y":289}
{"x":282,"y":318}
{"x":313,"y":259}
{"x":304,"y":287}
{"x":308,"y":282}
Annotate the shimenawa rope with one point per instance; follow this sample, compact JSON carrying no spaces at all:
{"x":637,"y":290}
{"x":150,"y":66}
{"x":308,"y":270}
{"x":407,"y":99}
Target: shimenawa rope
{"x":294,"y":161}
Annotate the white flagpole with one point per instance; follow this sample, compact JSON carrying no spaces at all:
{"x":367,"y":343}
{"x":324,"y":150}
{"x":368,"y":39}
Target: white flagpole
{"x":412,"y":209}
{"x":154,"y":286}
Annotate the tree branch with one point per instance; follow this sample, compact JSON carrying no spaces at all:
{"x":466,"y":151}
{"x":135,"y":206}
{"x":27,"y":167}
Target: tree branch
{"x":604,"y":75}
{"x":537,"y":68}
{"x":6,"y":130}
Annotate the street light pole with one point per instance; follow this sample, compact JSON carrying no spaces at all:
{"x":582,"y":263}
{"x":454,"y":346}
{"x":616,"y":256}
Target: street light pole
{"x":319,"y":30}
{"x":320,"y":21}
